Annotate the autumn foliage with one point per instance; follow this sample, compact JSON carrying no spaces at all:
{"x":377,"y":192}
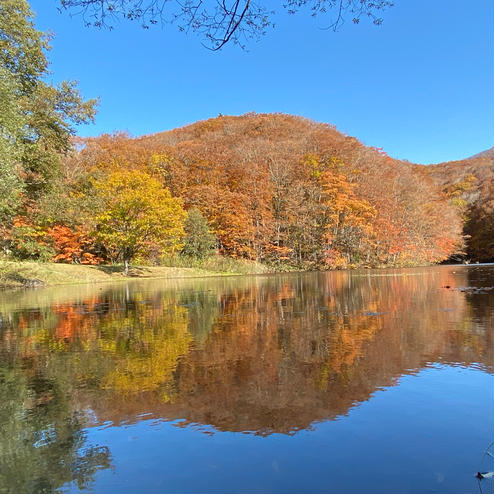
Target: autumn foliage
{"x":72,"y":246}
{"x":137,"y":215}
{"x":282,"y":189}
{"x":274,"y":188}
{"x":469,"y":184}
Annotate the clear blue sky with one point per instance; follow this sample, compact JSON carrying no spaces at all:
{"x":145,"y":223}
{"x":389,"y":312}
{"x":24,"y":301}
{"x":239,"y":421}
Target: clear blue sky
{"x":421,"y":86}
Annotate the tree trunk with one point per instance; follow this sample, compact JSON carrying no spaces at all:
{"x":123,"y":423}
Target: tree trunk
{"x":126,"y":267}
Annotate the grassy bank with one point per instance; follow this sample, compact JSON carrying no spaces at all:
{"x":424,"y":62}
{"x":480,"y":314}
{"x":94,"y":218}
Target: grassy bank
{"x":31,"y":274}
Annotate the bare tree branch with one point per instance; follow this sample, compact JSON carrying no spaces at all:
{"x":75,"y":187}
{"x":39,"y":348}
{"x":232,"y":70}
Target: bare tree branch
{"x":219,"y":22}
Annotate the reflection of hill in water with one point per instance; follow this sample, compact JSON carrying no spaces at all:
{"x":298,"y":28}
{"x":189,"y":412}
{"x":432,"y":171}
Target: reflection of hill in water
{"x":266,"y":354}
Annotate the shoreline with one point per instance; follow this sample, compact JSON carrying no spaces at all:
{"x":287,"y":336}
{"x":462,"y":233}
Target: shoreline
{"x":31,"y":274}
{"x":28,"y":274}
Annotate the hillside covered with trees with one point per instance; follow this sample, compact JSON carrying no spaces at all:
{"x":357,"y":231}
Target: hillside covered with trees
{"x":274,"y":188}
{"x":470,"y":184}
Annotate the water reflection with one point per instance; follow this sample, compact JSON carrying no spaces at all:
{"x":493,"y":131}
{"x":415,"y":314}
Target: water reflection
{"x":42,"y":443}
{"x":261,"y":354}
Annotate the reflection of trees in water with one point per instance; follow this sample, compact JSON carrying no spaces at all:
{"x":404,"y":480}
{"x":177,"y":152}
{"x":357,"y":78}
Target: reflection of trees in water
{"x":262,"y":354}
{"x":42,"y":442}
{"x":330,"y":342}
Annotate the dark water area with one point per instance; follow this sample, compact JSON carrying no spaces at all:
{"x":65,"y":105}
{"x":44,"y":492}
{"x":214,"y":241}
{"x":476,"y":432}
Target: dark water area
{"x":341,"y":382}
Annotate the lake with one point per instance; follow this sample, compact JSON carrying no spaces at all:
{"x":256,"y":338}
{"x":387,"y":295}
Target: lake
{"x":375,"y":381}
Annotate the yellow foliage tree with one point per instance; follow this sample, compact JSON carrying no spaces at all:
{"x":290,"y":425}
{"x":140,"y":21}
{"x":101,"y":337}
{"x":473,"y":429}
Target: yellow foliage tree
{"x":137,"y":214}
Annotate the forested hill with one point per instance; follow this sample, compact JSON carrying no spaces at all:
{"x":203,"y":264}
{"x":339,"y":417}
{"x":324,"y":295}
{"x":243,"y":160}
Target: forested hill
{"x":470,"y":184}
{"x":274,"y":188}
{"x":283,"y":189}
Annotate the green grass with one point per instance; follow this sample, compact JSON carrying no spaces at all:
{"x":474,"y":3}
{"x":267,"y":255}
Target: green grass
{"x":218,"y":264}
{"x":25,"y":274}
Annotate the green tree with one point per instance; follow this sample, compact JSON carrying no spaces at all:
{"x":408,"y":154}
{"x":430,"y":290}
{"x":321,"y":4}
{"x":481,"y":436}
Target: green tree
{"x":11,"y":132}
{"x":138,"y":214}
{"x":41,"y":118}
{"x":199,"y":241}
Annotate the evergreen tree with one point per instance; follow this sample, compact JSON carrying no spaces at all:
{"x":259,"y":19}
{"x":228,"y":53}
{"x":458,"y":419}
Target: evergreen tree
{"x":199,"y":241}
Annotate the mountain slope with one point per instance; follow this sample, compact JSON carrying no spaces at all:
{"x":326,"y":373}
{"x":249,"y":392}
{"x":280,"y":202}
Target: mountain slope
{"x":281,"y":188}
{"x":472,"y":181}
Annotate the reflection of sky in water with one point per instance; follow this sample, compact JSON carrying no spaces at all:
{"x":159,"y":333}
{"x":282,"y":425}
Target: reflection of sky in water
{"x":427,"y":434}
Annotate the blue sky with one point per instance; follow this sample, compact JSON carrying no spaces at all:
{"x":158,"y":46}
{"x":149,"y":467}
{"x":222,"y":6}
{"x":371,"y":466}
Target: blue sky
{"x":421,"y":86}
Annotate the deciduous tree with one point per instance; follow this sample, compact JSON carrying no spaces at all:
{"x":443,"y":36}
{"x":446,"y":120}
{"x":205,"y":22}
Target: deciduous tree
{"x":39,"y":119}
{"x":12,"y":123}
{"x":218,"y":23}
{"x":137,"y":214}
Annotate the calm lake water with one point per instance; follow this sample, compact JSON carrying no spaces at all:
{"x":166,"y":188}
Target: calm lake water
{"x":342,"y":382}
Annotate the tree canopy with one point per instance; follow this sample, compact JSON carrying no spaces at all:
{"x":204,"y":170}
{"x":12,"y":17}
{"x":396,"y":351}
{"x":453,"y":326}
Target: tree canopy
{"x":137,"y":215}
{"x":38,"y":119}
{"x":284,"y":190}
{"x":12,"y":122}
{"x":218,"y":23}
{"x":273,"y":188}
{"x":199,"y":241}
